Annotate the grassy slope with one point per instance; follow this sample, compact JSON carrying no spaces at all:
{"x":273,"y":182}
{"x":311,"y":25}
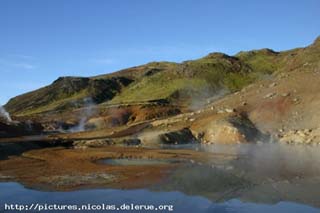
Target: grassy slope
{"x":210,"y":73}
{"x":66,"y":93}
{"x":158,"y":80}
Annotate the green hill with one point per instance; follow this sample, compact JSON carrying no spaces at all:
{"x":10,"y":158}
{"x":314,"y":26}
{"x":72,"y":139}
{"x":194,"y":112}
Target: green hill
{"x":175,"y":82}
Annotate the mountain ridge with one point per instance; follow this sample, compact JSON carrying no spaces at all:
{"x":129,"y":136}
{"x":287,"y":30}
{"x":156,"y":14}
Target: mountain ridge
{"x":205,"y":77}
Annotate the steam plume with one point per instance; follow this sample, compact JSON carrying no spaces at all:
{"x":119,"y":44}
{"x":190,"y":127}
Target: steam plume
{"x":88,"y":111}
{"x":5,"y":115}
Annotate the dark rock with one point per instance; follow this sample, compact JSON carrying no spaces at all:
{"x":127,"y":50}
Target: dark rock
{"x":14,"y":129}
{"x":152,"y":71}
{"x":131,"y":141}
{"x":247,"y":128}
{"x":182,"y":136}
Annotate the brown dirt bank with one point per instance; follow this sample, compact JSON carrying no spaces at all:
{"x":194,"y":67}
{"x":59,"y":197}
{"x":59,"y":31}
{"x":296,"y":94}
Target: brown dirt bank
{"x":67,"y":169}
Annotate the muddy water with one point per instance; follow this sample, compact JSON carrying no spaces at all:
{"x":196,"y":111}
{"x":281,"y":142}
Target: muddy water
{"x":264,"y":178}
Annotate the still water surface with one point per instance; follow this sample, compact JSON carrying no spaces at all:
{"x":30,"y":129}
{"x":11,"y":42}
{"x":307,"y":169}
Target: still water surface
{"x":268,"y":178}
{"x":11,"y":192}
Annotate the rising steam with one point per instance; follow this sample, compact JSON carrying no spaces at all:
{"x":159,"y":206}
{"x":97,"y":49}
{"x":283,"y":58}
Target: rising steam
{"x":205,"y":96}
{"x":5,"y":115}
{"x":273,"y":160}
{"x":87,"y":112}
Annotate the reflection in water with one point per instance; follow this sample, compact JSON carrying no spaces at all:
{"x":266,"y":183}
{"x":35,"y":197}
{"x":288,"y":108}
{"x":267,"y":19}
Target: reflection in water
{"x":256,"y":181}
{"x":268,"y":159}
{"x":266,"y":173}
{"x":15,"y":193}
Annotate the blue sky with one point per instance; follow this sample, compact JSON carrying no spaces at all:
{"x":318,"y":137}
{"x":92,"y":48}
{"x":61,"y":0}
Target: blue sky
{"x":41,"y":40}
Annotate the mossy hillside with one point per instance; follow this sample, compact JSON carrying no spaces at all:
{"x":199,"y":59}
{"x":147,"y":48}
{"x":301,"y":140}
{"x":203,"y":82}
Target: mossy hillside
{"x":138,"y":72}
{"x":158,"y":86}
{"x":304,"y":59}
{"x":71,"y":102}
{"x":164,"y":80}
{"x":262,"y":61}
{"x":208,"y":74}
{"x":64,"y":93}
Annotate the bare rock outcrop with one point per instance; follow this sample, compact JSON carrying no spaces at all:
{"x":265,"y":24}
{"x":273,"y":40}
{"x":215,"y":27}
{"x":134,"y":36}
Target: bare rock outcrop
{"x":229,"y":129}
